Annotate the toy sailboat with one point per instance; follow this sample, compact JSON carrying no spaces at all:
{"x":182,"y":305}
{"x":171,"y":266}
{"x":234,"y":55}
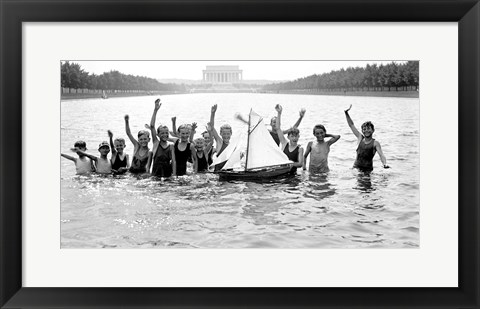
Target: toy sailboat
{"x":264,"y":159}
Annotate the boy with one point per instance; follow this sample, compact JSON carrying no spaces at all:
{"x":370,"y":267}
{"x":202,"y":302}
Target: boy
{"x":120,"y":160}
{"x":103,"y":165}
{"x":319,"y":149}
{"x":367,"y":146}
{"x":83,"y":164}
{"x":221,"y":140}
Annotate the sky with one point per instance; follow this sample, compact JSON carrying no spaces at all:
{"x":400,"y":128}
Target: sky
{"x":252,"y":70}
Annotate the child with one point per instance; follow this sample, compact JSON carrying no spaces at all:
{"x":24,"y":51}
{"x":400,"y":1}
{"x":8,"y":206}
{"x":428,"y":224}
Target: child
{"x":273,"y":130}
{"x":221,"y":140}
{"x":293,"y":151}
{"x":367,"y":146}
{"x":183,"y":151}
{"x":83,"y":164}
{"x":142,"y":156}
{"x":209,"y":149}
{"x":164,"y":164}
{"x":319,"y":149}
{"x":120,"y":160}
{"x":202,"y":153}
{"x":103,"y":165}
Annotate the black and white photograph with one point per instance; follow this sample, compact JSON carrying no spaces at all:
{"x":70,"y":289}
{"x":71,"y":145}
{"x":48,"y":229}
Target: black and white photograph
{"x":310,"y":154}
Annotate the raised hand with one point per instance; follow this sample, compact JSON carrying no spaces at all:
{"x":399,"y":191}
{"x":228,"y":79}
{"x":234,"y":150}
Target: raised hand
{"x":174,"y":119}
{"x":157,"y":104}
{"x":214,"y":108}
{"x":127,"y":117}
{"x":302,"y":112}
{"x":110,"y":134}
{"x":194,"y":126}
{"x":346,"y":111}
{"x":278,"y":108}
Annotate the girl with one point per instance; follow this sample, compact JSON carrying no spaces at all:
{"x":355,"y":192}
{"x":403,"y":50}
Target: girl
{"x":142,"y":156}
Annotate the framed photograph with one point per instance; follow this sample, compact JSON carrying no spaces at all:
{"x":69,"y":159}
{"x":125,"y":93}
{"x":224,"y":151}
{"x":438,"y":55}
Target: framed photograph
{"x":295,"y":154}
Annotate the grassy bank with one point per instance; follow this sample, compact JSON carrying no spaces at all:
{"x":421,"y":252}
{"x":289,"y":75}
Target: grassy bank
{"x":78,"y":96}
{"x":397,"y":94}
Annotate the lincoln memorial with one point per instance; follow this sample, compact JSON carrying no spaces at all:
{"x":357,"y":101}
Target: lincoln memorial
{"x":222,"y":74}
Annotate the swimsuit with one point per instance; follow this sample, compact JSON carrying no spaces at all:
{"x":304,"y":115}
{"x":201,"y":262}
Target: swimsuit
{"x":139,"y":164}
{"x":220,"y":165}
{"x":181,"y":158}
{"x":162,"y":162}
{"x":319,"y":157}
{"x":202,"y":163}
{"x":365,"y":154}
{"x":293,"y":156}
{"x":275,"y":137}
{"x":119,"y":163}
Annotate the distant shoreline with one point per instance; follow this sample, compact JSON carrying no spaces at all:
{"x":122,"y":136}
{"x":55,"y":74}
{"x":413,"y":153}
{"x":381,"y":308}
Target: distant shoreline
{"x":394,"y":94}
{"x":390,"y":94}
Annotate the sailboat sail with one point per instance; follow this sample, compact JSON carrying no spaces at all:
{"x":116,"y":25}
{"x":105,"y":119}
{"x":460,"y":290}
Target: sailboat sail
{"x":226,"y":153}
{"x":262,"y":150}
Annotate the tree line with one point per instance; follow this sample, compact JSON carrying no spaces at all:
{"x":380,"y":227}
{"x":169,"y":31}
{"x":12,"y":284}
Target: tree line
{"x":73,"y":76}
{"x":404,"y":76}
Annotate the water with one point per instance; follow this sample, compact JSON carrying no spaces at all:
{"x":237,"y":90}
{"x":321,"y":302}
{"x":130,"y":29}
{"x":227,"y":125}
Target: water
{"x":343,"y":209}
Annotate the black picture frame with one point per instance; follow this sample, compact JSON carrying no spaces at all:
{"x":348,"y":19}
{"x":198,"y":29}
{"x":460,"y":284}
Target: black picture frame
{"x":13,"y":13}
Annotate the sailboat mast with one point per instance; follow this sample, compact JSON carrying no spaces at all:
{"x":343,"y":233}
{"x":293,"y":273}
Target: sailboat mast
{"x":248,"y":139}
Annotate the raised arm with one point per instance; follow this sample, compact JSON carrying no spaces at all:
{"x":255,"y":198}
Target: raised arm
{"x":193,"y":153}
{"x":380,"y":153}
{"x":91,"y":157}
{"x":112,"y":146}
{"x":301,"y":115}
{"x":334,"y":138}
{"x":238,"y":116}
{"x":69,"y":157}
{"x":218,"y":139}
{"x":192,"y":132}
{"x":351,"y":125}
{"x":174,"y":132}
{"x":129,"y":133}
{"x":152,"y":121}
{"x":281,"y":137}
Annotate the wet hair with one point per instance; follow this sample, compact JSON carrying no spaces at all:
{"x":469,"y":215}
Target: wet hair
{"x":205,"y":132}
{"x":293,"y":131}
{"x":226,"y":127}
{"x":120,"y":140}
{"x":80,"y":144}
{"x":368,"y":124}
{"x":161,"y":127}
{"x":143,"y":132}
{"x":319,"y":126}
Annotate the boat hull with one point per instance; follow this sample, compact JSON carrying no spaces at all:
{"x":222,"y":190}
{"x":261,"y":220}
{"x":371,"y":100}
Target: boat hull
{"x":256,"y":174}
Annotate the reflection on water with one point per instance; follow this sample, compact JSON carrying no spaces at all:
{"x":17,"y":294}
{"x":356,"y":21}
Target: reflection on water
{"x":345,"y":208}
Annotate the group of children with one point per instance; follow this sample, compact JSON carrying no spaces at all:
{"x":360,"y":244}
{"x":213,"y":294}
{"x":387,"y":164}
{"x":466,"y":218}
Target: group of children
{"x":173,"y":150}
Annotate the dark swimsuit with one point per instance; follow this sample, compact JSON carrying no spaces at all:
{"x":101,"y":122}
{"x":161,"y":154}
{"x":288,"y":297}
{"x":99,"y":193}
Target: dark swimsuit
{"x":220,"y":165}
{"x":162,"y":162}
{"x":202,"y":163}
{"x":275,"y":137}
{"x":293,"y":156}
{"x":365,"y":154}
{"x":119,"y":163}
{"x":181,"y":158}
{"x":139,"y":164}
